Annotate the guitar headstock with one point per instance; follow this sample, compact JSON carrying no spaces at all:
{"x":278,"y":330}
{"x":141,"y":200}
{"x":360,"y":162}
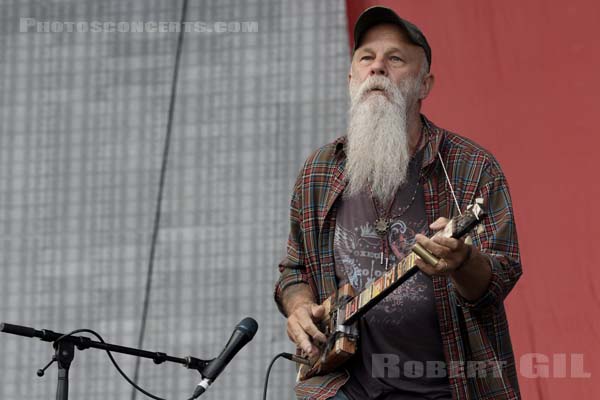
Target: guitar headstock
{"x":461,"y":225}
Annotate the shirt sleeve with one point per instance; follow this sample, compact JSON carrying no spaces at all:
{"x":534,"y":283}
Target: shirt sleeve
{"x":498,"y":240}
{"x":292,"y":267}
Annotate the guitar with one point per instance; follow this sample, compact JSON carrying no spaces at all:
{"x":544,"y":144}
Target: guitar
{"x":344,"y":308}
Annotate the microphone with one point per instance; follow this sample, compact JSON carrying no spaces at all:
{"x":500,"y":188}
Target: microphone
{"x":242,"y":334}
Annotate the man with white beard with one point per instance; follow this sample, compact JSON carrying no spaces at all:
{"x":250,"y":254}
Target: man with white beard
{"x":359,"y":206}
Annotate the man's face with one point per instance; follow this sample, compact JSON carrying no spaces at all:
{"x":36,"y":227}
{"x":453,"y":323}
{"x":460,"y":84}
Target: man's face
{"x":387,"y":82}
{"x":388,"y":79}
{"x":386,"y":51}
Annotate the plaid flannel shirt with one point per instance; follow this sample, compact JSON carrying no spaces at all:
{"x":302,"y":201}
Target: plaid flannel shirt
{"x":475,"y":336}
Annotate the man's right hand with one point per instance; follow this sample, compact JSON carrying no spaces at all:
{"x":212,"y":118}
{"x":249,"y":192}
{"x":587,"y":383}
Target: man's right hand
{"x":301,"y":328}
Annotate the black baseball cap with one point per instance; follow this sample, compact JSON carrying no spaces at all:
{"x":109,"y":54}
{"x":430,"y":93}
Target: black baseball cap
{"x":381,"y":15}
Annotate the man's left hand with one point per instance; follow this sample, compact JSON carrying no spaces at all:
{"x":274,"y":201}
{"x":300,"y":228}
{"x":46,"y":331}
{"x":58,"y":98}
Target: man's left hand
{"x":452,"y":253}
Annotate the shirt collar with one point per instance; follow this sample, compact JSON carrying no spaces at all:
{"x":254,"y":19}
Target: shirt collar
{"x":434,"y":141}
{"x":340,"y":146}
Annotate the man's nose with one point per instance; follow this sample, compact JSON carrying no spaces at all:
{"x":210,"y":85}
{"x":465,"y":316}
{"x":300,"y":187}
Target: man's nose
{"x":378,"y":68}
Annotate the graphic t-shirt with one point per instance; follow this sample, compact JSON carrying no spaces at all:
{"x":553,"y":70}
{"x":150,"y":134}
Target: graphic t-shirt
{"x":400,"y":354}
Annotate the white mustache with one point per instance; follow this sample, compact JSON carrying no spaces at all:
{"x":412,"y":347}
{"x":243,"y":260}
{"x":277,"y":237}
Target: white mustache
{"x":376,"y":82}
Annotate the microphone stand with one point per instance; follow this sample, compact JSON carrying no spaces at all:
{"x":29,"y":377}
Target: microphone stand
{"x":65,"y":352}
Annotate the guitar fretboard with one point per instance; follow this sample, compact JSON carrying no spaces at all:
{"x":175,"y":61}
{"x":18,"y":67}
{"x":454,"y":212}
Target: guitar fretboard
{"x":394,"y":277}
{"x":378,"y":289}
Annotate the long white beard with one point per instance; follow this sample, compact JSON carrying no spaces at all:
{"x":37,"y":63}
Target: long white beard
{"x":378,"y":152}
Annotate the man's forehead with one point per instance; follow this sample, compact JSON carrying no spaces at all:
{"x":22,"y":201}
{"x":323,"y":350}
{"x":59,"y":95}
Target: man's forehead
{"x":390,"y":33}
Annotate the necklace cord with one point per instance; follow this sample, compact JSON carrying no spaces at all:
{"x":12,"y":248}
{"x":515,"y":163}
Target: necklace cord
{"x":383,"y":222}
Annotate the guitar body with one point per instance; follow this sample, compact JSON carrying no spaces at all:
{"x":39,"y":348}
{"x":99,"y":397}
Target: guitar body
{"x":341,"y":345}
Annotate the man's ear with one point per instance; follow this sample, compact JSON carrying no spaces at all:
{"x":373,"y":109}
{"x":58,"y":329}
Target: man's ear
{"x":426,"y":85}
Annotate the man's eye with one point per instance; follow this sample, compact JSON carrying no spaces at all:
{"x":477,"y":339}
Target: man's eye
{"x":366,"y":58}
{"x":395,"y":58}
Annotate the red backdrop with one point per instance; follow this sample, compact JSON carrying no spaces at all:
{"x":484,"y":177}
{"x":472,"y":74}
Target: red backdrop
{"x":522,"y":79}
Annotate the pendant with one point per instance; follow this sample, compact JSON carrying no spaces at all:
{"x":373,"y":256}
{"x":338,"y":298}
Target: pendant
{"x":381,"y":226}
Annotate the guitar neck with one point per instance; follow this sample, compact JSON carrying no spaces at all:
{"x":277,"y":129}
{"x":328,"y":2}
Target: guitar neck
{"x":394,"y":277}
{"x":378,"y":290}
